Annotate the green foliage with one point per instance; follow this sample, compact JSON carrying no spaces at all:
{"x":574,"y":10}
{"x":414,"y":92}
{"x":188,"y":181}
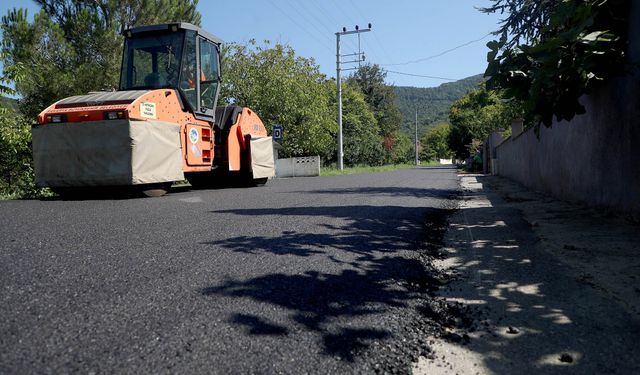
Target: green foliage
{"x":73,"y":47}
{"x":382,"y":101}
{"x":402,"y":149}
{"x":8,"y":103}
{"x":121,"y":14}
{"x":435,"y":143}
{"x":333,"y":171}
{"x":433,"y":103}
{"x":380,"y":96}
{"x":16,"y":170}
{"x":475,"y":115}
{"x":552,"y":52}
{"x":362,"y":143}
{"x":283,"y":89}
{"x":16,"y":164}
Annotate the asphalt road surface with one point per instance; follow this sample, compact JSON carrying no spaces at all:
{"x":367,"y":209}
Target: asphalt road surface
{"x":308,"y":275}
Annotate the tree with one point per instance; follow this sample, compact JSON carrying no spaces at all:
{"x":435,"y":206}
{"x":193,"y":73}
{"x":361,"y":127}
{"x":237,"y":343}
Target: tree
{"x":74,"y":46}
{"x":552,"y":52}
{"x":361,"y":135}
{"x":121,"y":14}
{"x":403,"y":148}
{"x":283,"y":89}
{"x":382,"y":100}
{"x":436,"y":143}
{"x":16,"y":170}
{"x":475,"y":115}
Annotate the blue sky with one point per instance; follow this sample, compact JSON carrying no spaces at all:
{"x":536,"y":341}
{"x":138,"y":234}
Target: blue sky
{"x":406,"y":36}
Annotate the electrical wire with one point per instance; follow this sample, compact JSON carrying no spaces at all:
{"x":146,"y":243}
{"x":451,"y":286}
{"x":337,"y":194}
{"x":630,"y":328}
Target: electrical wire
{"x":349,"y":41}
{"x":312,"y":22}
{"x":332,"y":20}
{"x":306,"y":14}
{"x":421,"y":75}
{"x":375,"y":36}
{"x":441,"y":53}
{"x":300,"y":26}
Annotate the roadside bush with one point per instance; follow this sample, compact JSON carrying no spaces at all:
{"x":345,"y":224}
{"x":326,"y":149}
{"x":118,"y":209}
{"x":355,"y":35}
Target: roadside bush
{"x":16,"y":161}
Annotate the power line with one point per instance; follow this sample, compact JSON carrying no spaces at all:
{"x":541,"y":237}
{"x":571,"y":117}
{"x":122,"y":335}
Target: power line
{"x":420,"y":75}
{"x":319,"y":20}
{"x":340,"y":9}
{"x":310,"y":21}
{"x":322,"y":10}
{"x":366,"y":42}
{"x":333,"y":23}
{"x":375,"y":36}
{"x":441,"y":53}
{"x":301,"y":27}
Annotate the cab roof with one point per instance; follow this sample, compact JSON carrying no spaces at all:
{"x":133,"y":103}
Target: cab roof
{"x":168,"y":26}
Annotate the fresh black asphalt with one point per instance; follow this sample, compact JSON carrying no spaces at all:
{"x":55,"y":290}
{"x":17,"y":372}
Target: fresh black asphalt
{"x":307,"y":275}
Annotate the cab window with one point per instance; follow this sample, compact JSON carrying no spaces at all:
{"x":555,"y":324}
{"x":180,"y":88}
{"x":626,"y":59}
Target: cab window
{"x":188,"y":74}
{"x":151,"y":62}
{"x":208,"y":75}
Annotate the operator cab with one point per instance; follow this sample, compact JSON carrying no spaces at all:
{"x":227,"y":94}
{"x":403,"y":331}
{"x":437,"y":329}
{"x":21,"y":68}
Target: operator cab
{"x":179,"y":56}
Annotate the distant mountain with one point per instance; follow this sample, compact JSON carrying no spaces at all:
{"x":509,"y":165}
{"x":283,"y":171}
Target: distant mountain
{"x":9,"y":103}
{"x":433,"y":103}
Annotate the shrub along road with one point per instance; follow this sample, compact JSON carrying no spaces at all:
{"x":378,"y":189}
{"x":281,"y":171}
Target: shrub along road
{"x":304,"y":275}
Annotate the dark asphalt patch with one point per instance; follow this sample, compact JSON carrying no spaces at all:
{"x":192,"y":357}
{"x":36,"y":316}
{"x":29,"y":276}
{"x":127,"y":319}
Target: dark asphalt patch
{"x":435,"y":314}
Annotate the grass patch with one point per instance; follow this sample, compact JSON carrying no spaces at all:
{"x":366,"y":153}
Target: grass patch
{"x":332,"y":170}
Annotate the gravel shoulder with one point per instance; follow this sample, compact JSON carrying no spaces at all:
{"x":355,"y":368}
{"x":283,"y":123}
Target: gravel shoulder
{"x":541,"y":286}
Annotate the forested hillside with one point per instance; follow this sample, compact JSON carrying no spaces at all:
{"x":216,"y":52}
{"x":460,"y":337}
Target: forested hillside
{"x":8,"y":103}
{"x":433,"y":103}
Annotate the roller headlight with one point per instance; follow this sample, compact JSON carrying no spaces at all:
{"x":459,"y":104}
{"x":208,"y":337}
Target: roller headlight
{"x":56,"y":118}
{"x":114,"y":115}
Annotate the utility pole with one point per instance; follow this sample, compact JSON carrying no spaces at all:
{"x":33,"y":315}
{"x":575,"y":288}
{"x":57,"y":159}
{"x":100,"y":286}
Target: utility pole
{"x":416,"y":145}
{"x":338,"y":80}
{"x":360,"y":57}
{"x":359,"y":51}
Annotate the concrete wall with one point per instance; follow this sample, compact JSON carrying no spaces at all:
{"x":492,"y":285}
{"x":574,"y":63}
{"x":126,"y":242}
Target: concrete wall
{"x":489,"y":157}
{"x":307,"y":166}
{"x":595,"y":158}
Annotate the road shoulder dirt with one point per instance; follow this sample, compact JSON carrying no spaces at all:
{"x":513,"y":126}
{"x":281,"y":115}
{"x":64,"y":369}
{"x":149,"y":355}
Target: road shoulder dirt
{"x":542,"y":285}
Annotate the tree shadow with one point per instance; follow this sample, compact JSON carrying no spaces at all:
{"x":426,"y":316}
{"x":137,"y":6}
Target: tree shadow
{"x":372,"y":267}
{"x":444,"y":167}
{"x":259,"y":326}
{"x":365,"y":231}
{"x":350,"y":341}
{"x":386,"y":191}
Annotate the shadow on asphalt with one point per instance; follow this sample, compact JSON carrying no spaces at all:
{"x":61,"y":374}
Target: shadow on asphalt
{"x":450,"y":166}
{"x":258,"y":326}
{"x":383,"y":191}
{"x":378,"y":277}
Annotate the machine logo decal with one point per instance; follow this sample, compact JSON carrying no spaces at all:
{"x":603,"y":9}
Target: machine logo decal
{"x":193,"y":135}
{"x":148,"y":110}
